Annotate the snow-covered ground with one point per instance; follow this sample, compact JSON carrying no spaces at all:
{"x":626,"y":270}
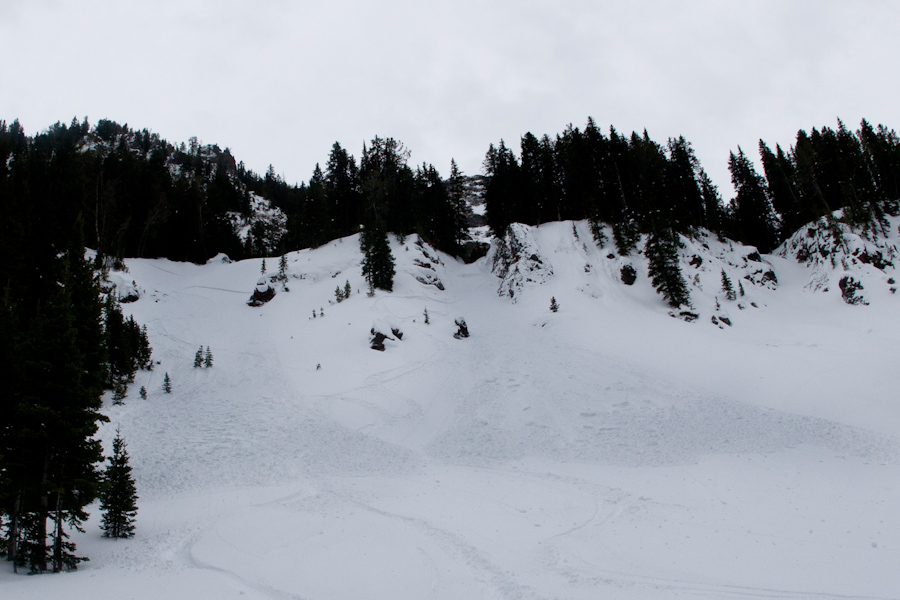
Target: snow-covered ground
{"x":607,"y":450}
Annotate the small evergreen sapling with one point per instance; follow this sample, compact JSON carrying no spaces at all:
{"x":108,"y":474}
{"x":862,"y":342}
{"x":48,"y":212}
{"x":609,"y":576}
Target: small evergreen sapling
{"x":207,"y":358}
{"x":727,"y":287}
{"x":198,"y":358}
{"x":262,"y":269}
{"x":143,"y":393}
{"x":553,"y":304}
{"x":347,"y":289}
{"x":282,"y":268}
{"x":338,"y":294}
{"x":167,"y":384}
{"x":120,"y":392}
{"x":427,"y":319}
{"x":118,"y":498}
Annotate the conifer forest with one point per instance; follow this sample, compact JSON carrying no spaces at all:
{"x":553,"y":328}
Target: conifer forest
{"x":78,"y":199}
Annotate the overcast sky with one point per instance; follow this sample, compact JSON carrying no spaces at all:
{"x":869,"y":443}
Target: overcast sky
{"x":280,"y":81}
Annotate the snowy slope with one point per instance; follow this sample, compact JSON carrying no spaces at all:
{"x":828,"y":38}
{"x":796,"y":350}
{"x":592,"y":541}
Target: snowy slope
{"x":606,"y":450}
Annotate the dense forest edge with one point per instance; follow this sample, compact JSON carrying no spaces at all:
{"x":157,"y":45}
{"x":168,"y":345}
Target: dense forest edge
{"x":123,"y":193}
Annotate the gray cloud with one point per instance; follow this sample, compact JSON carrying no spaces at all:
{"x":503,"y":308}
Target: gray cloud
{"x":280,"y":81}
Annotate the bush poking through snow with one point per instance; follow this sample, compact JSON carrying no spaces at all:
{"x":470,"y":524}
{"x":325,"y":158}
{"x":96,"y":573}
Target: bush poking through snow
{"x":554,"y":306}
{"x":462,"y":329}
{"x":377,"y":340}
{"x":628,"y":275}
{"x":849,"y":287}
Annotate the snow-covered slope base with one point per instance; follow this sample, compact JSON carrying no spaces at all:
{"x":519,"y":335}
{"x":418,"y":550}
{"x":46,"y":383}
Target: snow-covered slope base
{"x":606,"y":450}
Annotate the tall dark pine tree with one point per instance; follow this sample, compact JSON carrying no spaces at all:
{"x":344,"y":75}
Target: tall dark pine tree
{"x":661,"y":251}
{"x":786,"y":200}
{"x":456,"y":196}
{"x":502,"y":194}
{"x":378,"y":262}
{"x":683,"y":191}
{"x":50,"y":454}
{"x":755,"y":221}
{"x":118,"y":501}
{"x":342,"y":187}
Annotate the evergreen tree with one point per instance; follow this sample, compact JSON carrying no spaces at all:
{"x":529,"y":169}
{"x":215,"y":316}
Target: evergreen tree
{"x":207,"y":358}
{"x":262,"y":268}
{"x":553,"y":305}
{"x":347,"y":289}
{"x":664,"y":269}
{"x":167,"y":384}
{"x":338,"y":294}
{"x":145,"y":351}
{"x":120,"y":391}
{"x":755,"y":221}
{"x":118,"y":501}
{"x":427,"y":318}
{"x":143,"y":393}
{"x":626,"y":234}
{"x":727,"y":287}
{"x":343,"y":190}
{"x":49,"y":474}
{"x":378,"y":262}
{"x":198,"y":358}
{"x":282,"y":268}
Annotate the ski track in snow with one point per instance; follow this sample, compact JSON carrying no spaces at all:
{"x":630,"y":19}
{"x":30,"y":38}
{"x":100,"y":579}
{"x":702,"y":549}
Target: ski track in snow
{"x":546,"y":456}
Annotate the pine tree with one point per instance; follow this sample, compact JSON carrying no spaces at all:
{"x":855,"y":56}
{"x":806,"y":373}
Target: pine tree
{"x":553,"y":305}
{"x":262,"y":269}
{"x":120,"y":392}
{"x":755,"y":220}
{"x":119,"y":497}
{"x":282,"y":268}
{"x":727,"y":287}
{"x":167,"y":384}
{"x":338,"y":294}
{"x":347,"y":289}
{"x":378,"y":262}
{"x":665,"y":273}
{"x":143,"y":393}
{"x":144,"y":351}
{"x":198,"y":358}
{"x":207,"y":358}
{"x":427,"y":319}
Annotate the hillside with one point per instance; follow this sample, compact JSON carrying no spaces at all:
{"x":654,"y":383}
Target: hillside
{"x":614,"y":448}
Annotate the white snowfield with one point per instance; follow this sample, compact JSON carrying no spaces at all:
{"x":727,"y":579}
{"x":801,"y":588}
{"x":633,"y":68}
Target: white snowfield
{"x":607,"y":450}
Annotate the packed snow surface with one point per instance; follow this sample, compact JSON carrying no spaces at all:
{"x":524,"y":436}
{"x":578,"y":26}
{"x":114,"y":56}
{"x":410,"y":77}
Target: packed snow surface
{"x":607,"y":450}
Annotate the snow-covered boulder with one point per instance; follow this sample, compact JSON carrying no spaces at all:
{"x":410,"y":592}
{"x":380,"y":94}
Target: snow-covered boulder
{"x":263,"y":292}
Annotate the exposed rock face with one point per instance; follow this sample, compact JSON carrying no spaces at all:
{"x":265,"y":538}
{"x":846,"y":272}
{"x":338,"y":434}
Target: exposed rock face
{"x":836,"y":253}
{"x":516,"y":260}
